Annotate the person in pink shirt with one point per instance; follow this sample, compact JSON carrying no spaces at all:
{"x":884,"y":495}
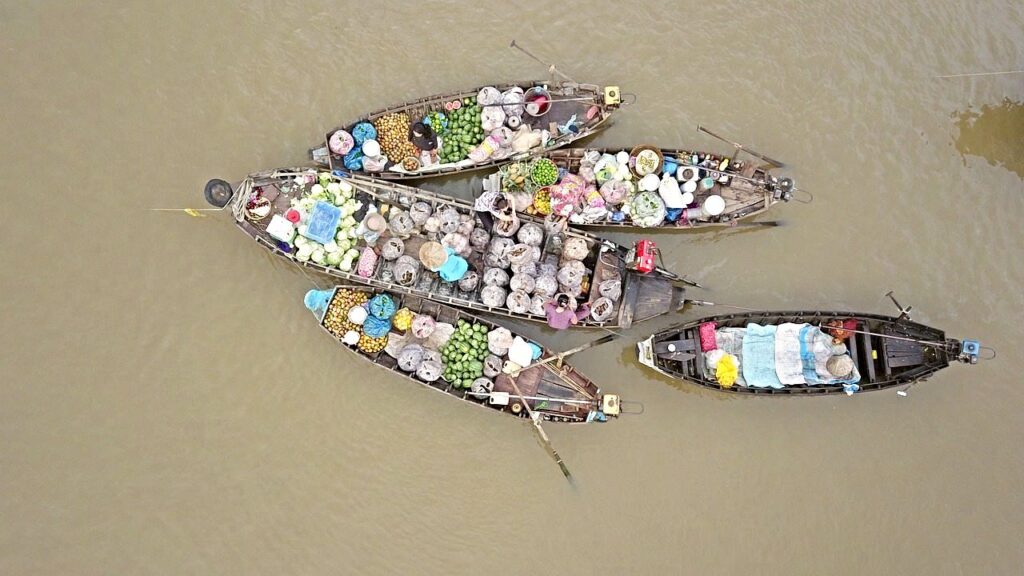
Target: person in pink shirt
{"x":562,"y":312}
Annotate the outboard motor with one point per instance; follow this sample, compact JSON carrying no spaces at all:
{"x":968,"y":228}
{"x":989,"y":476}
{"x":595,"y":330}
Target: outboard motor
{"x":218,"y":193}
{"x":969,"y":351}
{"x":782,"y":188}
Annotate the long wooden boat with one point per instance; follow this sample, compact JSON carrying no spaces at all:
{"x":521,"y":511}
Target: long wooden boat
{"x":587,"y":107}
{"x":556,"y":393}
{"x":628,"y":296}
{"x":718,"y":191}
{"x":886,"y":352}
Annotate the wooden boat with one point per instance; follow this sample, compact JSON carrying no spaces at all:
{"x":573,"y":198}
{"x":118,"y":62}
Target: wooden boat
{"x":641,"y":296}
{"x":741,"y":188}
{"x":588,"y":105}
{"x":555,"y":393}
{"x":886,"y":351}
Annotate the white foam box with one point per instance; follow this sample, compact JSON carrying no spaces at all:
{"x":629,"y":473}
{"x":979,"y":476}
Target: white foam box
{"x":281,"y":229}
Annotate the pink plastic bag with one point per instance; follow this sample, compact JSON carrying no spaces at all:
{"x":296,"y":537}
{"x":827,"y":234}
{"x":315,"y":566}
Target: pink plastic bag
{"x":707,"y":336}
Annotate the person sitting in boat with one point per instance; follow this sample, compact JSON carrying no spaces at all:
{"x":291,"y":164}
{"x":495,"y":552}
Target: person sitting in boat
{"x":372,"y":226}
{"x":443,"y":260}
{"x":424,"y":139}
{"x":563,"y":312}
{"x":494,"y":204}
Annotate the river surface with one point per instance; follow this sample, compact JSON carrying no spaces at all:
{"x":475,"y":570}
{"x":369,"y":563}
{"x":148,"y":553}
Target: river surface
{"x":168,"y":406}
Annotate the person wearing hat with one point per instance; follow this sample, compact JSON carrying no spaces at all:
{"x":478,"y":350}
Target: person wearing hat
{"x":493,"y":203}
{"x":443,"y":260}
{"x":372,"y":226}
{"x":562,"y":312}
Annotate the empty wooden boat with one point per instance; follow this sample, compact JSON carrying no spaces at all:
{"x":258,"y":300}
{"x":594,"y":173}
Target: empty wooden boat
{"x":421,"y":340}
{"x":803,"y":353}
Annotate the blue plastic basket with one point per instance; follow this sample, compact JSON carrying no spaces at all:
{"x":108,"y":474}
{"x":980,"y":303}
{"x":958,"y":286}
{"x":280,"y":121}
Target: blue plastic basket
{"x":323,"y":222}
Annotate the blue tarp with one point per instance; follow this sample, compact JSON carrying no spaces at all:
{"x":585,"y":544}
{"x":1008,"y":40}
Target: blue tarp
{"x":759,"y":357}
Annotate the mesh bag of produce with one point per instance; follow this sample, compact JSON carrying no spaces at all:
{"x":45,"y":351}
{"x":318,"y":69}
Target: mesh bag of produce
{"x":470,"y":281}
{"x":457,"y":242}
{"x":439,"y":337}
{"x":500,"y":246}
{"x":492,"y":366}
{"x":405,"y":270}
{"x":495,"y":277}
{"x":367,"y":263}
{"x":432,"y":225}
{"x":382,"y":306}
{"x":572,"y":273}
{"x":488,"y":95}
{"x":518,"y":302}
{"x":573,"y":291}
{"x":610,"y":289}
{"x":547,"y":269}
{"x":481,"y":388}
{"x":528,"y":268}
{"x":422,"y":326}
{"x":429,"y":371}
{"x":506,"y":228}
{"x":493,"y":296}
{"x":402,"y":319}
{"x":430,"y":355}
{"x":499,"y":340}
{"x":401,"y":223}
{"x":520,"y":254}
{"x":479,"y":238}
{"x":513,"y":101}
{"x":575,"y":249}
{"x":410,"y":358}
{"x":537,"y":304}
{"x":362,"y":132}
{"x":467,"y":224}
{"x":492,"y":260}
{"x":602,"y":309}
{"x":531,"y":233}
{"x":522,"y":283}
{"x":449,"y":218}
{"x":419,"y":212}
{"x":392,"y":248}
{"x":615,"y":192}
{"x":545,"y":286}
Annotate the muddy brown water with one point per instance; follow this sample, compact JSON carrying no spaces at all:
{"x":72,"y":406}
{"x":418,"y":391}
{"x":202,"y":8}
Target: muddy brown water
{"x":167,"y":405}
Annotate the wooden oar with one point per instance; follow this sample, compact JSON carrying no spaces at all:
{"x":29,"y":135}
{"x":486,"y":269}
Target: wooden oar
{"x":739,"y":146}
{"x":767,"y":224}
{"x":535,"y":419}
{"x":561,"y":356}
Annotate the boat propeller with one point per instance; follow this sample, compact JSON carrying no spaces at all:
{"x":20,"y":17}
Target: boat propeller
{"x":218,"y":193}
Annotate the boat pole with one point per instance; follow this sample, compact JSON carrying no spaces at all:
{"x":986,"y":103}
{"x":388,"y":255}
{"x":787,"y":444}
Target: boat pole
{"x":535,"y":420}
{"x":551,"y":67}
{"x":739,"y":146}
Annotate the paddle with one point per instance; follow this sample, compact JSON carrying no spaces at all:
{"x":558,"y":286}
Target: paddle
{"x":767,"y":224}
{"x":739,"y":146}
{"x":535,"y":419}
